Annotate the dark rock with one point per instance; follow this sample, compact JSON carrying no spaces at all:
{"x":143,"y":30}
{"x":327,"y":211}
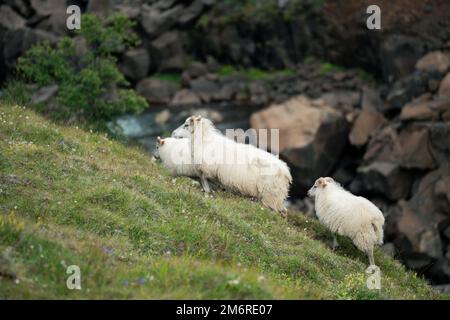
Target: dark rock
{"x":342,"y":99}
{"x":258,"y":93}
{"x":185,"y":97}
{"x":44,"y":94}
{"x":48,"y":7}
{"x":439,"y":272}
{"x":20,"y":6}
{"x":370,"y":99}
{"x":156,"y":91}
{"x":312,"y":136}
{"x":415,"y":150}
{"x":196,"y":69}
{"x":399,"y":54}
{"x":417,"y":261}
{"x":100,"y":8}
{"x":204,"y":88}
{"x":191,"y":12}
{"x":132,"y":12}
{"x":439,"y":136}
{"x":167,"y":52}
{"x":9,"y":19}
{"x":444,"y":87}
{"x":407,"y":88}
{"x":135,"y":64}
{"x":156,"y":23}
{"x":385,"y":178}
{"x":16,"y":42}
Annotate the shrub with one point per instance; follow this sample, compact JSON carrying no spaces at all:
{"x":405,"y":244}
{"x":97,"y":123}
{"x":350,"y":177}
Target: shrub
{"x":90,"y":86}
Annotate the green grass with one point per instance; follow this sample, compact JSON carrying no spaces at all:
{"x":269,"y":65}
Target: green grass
{"x":174,"y":78}
{"x":253,"y":74}
{"x":70,"y":197}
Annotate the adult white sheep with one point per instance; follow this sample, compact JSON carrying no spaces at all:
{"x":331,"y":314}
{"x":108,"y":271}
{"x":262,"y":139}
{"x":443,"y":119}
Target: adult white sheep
{"x":238,"y":166}
{"x":175,"y":155}
{"x":348,"y":215}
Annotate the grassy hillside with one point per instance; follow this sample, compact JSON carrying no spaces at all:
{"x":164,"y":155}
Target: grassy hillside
{"x":69,"y":197}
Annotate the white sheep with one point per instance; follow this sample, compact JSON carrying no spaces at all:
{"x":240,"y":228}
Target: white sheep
{"x":241,"y":167}
{"x":348,"y":215}
{"x":175,"y":155}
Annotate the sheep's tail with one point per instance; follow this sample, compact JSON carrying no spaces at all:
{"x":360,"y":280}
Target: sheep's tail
{"x":274,"y":188}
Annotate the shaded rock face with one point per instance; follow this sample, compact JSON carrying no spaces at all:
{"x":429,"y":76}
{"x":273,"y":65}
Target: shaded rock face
{"x":311,"y":133}
{"x":156,"y":91}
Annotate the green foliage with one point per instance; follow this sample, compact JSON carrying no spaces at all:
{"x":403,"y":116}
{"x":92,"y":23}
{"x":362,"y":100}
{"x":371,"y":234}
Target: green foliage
{"x":90,"y":86}
{"x":174,"y":78}
{"x":253,"y":74}
{"x":72,"y":197}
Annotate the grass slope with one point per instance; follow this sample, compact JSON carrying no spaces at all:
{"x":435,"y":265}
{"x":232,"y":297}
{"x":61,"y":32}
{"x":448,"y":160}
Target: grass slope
{"x":68,"y":197}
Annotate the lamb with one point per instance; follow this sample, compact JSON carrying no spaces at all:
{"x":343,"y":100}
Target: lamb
{"x":348,"y":215}
{"x":175,"y":155}
{"x":241,"y":167}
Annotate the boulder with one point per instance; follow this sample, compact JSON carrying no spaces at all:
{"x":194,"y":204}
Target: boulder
{"x":415,"y":149}
{"x":424,"y":109}
{"x":9,"y":19}
{"x":100,"y":8}
{"x":407,"y":88}
{"x":399,"y":54}
{"x":258,"y":93}
{"x":190,"y":13}
{"x":44,"y":94}
{"x":434,"y":61}
{"x":385,"y":178}
{"x":48,"y":7}
{"x":370,"y":99}
{"x":156,"y":22}
{"x":204,"y":88}
{"x":167,"y":52}
{"x":409,"y":148}
{"x":420,"y":228}
{"x":367,"y":122}
{"x":196,"y":69}
{"x":444,"y":87}
{"x":342,"y":99}
{"x":156,"y":91}
{"x":16,"y":42}
{"x":135,"y":64}
{"x":312,"y":136}
{"x":21,"y":6}
{"x":185,"y":97}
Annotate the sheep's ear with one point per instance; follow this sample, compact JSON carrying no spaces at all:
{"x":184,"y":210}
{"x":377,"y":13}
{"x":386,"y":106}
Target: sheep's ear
{"x":329,"y":180}
{"x":321,"y":182}
{"x":160,"y":141}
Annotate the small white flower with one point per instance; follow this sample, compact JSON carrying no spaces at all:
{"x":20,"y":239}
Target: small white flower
{"x":234,"y":282}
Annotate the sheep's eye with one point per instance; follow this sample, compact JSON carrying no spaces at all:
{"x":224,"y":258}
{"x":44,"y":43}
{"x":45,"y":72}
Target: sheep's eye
{"x":186,"y":125}
{"x":315,"y":187}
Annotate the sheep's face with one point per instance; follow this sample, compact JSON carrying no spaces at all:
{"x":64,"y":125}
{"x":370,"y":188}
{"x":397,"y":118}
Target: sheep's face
{"x":191,"y":123}
{"x":319,"y":185}
{"x":159,"y":143}
{"x":181,"y":132}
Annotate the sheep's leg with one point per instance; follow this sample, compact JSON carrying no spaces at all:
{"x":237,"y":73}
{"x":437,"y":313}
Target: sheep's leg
{"x":205,"y":184}
{"x":335,"y":242}
{"x":283,"y":213}
{"x":370,"y":255}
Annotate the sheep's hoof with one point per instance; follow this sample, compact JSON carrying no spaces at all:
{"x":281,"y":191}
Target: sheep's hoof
{"x":283,"y":213}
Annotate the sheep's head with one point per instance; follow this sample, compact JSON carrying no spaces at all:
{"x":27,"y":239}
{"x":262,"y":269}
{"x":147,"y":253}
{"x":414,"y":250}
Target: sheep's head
{"x":159,"y":143}
{"x":192,"y":123}
{"x":320,"y":184}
